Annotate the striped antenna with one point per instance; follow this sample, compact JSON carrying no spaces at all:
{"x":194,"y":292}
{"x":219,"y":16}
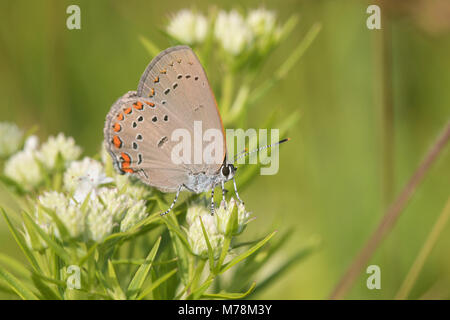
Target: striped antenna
{"x":246,"y":153}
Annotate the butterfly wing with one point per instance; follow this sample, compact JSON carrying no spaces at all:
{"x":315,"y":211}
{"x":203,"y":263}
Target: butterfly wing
{"x":173,"y":93}
{"x":137,"y":143}
{"x":176,"y":80}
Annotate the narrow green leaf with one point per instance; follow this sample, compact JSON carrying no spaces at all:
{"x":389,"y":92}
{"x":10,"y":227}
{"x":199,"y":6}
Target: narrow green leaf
{"x":138,"y":280}
{"x":157,"y":283}
{"x":297,"y":257}
{"x":12,"y":264}
{"x":58,"y":249}
{"x":46,"y":293}
{"x":59,"y":224}
{"x":232,"y":225}
{"x":178,"y":232}
{"x":228,"y":295}
{"x":208,"y":244}
{"x":247,"y":253}
{"x":59,"y":283}
{"x":91,"y":250}
{"x":199,"y":292}
{"x":113,"y":282}
{"x":141,"y":261}
{"x":9,"y":183}
{"x":224,"y":252}
{"x":21,"y":242}
{"x":6,"y":289}
{"x":18,"y":287}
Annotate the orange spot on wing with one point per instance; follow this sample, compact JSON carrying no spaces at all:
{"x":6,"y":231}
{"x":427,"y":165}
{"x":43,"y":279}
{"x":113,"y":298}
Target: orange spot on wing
{"x":138,"y":105}
{"x":151,"y":104}
{"x":126,"y":158}
{"x":125,"y":165}
{"x":152,"y":92}
{"x":156,"y":80}
{"x":117,"y":127}
{"x":127,"y":110}
{"x":117,"y":142}
{"x":120,"y":116}
{"x":163,"y":71}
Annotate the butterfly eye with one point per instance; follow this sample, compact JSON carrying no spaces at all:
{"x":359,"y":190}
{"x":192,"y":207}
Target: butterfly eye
{"x":225,"y":171}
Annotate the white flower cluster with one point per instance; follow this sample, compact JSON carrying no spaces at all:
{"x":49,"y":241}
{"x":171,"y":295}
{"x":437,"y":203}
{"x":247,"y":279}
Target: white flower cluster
{"x":25,"y":167}
{"x":90,"y":205}
{"x":10,"y":138}
{"x":188,"y":27}
{"x":234,"y":32}
{"x":58,"y":146}
{"x":93,"y":221}
{"x":217,"y":226}
{"x":92,"y":218}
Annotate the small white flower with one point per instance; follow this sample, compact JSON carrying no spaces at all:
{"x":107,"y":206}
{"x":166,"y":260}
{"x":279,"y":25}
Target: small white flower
{"x":194,"y":211}
{"x":232,"y":32}
{"x":100,"y":222}
{"x":261,"y":21}
{"x":65,"y":146}
{"x":84,"y":177}
{"x":24,"y":169}
{"x":135,"y":214}
{"x":31,"y":143}
{"x":70,"y":215}
{"x":196,"y":237}
{"x":188,"y":27}
{"x":10,"y":139}
{"x":223,"y":215}
{"x":114,"y":203}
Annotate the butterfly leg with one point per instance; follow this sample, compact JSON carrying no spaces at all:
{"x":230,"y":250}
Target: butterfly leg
{"x":224,"y":191}
{"x":173,"y":203}
{"x":212,"y":201}
{"x":236,"y":192}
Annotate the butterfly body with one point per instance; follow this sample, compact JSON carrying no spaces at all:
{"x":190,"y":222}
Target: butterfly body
{"x":202,"y":182}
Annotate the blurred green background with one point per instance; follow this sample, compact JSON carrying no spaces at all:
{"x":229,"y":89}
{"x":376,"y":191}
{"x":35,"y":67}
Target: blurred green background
{"x":330,"y":184}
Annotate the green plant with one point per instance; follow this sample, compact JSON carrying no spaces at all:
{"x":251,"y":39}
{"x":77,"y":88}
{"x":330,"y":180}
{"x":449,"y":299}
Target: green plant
{"x":79,"y":224}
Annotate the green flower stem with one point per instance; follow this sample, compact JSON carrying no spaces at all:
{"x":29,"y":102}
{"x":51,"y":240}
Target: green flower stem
{"x":223,"y":254}
{"x":198,"y":272}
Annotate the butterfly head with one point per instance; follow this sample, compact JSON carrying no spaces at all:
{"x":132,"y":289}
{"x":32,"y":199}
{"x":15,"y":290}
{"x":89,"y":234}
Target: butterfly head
{"x":227,"y":171}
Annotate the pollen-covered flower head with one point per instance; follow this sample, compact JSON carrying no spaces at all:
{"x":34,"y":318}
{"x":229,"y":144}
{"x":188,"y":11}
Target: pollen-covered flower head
{"x":261,"y":21}
{"x":23,"y":167}
{"x":232,"y":32}
{"x":59,"y":145}
{"x":231,"y":217}
{"x":135,"y":213}
{"x":70,"y":215}
{"x":264,"y":26}
{"x":188,"y":27}
{"x":10,"y":139}
{"x":196,"y":237}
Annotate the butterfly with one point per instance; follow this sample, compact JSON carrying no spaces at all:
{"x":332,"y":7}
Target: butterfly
{"x":173,"y":93}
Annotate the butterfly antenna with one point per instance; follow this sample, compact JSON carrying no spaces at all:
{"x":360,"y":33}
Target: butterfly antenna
{"x":246,"y":153}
